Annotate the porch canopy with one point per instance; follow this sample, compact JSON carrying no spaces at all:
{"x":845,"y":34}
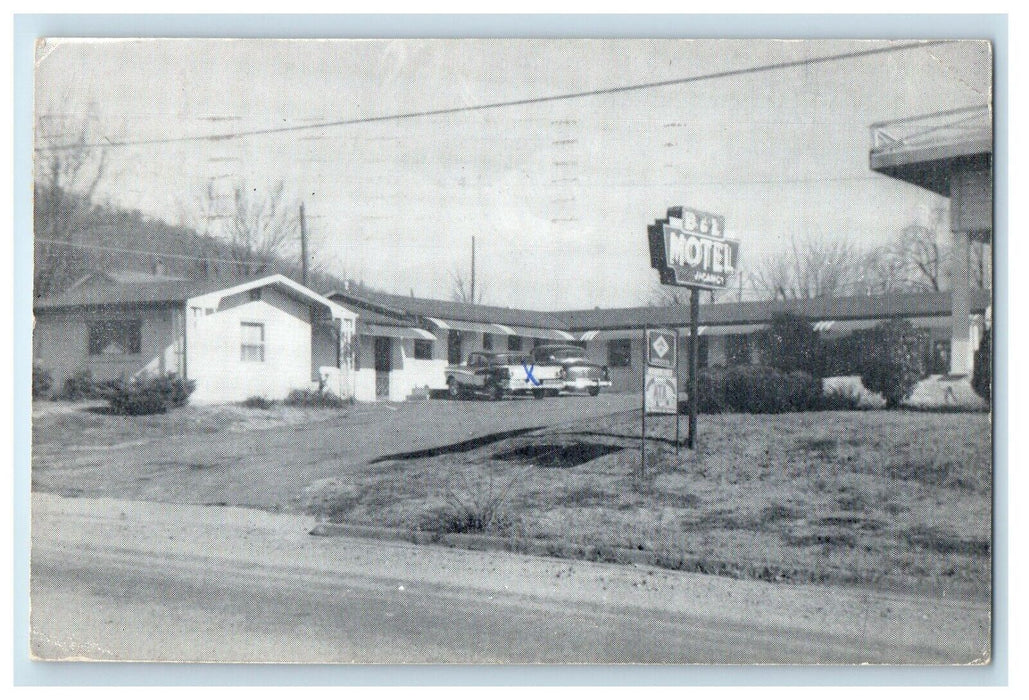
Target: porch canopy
{"x":401,"y":332}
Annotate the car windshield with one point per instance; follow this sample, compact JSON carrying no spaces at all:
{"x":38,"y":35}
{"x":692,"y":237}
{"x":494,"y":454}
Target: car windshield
{"x":511,"y":359}
{"x":557,"y":354}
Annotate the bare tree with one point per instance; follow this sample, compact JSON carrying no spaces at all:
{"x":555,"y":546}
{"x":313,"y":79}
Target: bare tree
{"x":461,"y":288}
{"x":68,"y":171}
{"x":926,"y":259}
{"x":884,"y":271}
{"x":260,"y":228}
{"x":809,"y":268}
{"x":981,"y":265}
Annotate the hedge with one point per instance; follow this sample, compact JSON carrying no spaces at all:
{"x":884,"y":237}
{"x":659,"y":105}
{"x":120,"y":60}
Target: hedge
{"x":149,"y":394}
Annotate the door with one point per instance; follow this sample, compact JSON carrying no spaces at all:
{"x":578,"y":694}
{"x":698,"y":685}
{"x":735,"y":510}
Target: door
{"x":383,"y":365}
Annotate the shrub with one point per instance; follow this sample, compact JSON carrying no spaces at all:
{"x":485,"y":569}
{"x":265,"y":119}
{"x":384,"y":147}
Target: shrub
{"x":757,"y":389}
{"x":893,"y":361}
{"x":81,"y":385}
{"x":148,"y":394}
{"x":258,"y":402}
{"x":791,"y":344}
{"x":982,"y":370}
{"x":42,"y":382}
{"x":314,"y":399}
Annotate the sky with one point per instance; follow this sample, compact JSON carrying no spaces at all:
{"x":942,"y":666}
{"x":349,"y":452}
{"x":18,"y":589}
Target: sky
{"x":559,"y":194}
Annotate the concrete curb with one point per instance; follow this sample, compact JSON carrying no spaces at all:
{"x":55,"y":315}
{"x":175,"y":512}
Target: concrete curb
{"x":611,"y":555}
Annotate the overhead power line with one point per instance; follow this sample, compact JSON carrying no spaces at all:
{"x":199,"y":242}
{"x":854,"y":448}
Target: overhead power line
{"x":509,"y":103}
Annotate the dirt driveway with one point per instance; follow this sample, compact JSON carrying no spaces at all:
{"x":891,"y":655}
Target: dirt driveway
{"x":196,"y":456}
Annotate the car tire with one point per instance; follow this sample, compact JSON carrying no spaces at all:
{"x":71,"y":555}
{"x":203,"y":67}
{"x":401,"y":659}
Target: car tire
{"x":538,"y":393}
{"x":453,"y":390}
{"x":593,"y":390}
{"x":496,"y":392}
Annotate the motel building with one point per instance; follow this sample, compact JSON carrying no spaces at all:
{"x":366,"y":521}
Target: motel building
{"x":405,"y":343}
{"x":267,"y":336}
{"x":950,"y":153}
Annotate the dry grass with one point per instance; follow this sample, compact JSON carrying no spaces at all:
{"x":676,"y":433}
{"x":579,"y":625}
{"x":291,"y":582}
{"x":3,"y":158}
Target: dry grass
{"x":889,"y":499}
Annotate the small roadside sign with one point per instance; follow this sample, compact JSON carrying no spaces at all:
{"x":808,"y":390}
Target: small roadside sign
{"x":661,"y":394}
{"x":661,"y":348}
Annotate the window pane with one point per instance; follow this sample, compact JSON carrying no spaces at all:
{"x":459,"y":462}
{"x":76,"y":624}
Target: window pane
{"x":619,"y":352}
{"x":253,"y":333}
{"x":115,"y":338}
{"x":423,"y":349}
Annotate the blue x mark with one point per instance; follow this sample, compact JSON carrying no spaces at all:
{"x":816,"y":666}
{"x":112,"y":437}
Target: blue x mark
{"x":528,"y":374}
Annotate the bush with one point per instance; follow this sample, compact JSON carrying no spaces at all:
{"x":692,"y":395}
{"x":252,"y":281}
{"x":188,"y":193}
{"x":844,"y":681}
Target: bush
{"x":757,"y":389}
{"x":982,"y":370}
{"x":791,"y":344}
{"x":258,"y":402}
{"x":42,"y":382}
{"x":314,"y":399}
{"x":148,"y":394}
{"x":893,"y":362}
{"x":81,"y":385}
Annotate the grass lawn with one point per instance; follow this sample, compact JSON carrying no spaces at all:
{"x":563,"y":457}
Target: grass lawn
{"x":891,"y":499}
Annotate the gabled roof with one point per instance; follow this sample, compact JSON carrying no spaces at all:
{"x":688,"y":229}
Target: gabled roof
{"x":918,"y":304}
{"x":112,"y":290}
{"x":406,"y":307}
{"x":100,"y":292}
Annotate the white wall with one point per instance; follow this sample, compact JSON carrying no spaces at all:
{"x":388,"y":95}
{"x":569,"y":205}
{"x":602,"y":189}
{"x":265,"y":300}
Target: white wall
{"x":214,"y":347}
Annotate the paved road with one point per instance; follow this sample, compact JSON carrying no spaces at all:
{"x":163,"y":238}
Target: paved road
{"x":271,"y":468}
{"x":125,"y":580}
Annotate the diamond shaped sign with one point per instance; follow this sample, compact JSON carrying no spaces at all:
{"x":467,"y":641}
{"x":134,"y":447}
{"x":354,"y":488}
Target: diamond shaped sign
{"x":661,"y":348}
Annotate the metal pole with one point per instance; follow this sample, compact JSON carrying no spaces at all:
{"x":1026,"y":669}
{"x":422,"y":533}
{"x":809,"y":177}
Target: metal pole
{"x":643,"y":411}
{"x":303,"y":246}
{"x":694,"y":355}
{"x":677,"y":392}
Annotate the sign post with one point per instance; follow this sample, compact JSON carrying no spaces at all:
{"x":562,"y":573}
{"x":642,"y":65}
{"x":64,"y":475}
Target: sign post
{"x":691,"y":439}
{"x":689,"y":249}
{"x":643,"y":410}
{"x":660,"y":384}
{"x":677,"y":391}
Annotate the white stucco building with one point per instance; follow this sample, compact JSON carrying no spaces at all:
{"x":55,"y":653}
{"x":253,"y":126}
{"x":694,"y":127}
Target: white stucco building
{"x":260,"y":337}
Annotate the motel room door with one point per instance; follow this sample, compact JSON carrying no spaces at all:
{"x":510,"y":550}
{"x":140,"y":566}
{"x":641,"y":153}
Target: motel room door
{"x":383,"y":365}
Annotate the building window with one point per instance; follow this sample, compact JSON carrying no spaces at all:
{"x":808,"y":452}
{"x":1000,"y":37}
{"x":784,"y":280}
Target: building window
{"x":487,"y":341}
{"x":514,"y":342}
{"x":454,"y":347}
{"x":115,"y":338}
{"x":252,"y":347}
{"x":619,"y":352}
{"x":737,"y":350}
{"x":423,"y":349}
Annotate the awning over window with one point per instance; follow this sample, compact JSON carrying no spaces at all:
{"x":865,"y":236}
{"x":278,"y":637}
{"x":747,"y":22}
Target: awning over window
{"x":726,"y":330}
{"x":840,"y":328}
{"x":526,"y":332}
{"x":404,"y":332}
{"x":468,"y":326}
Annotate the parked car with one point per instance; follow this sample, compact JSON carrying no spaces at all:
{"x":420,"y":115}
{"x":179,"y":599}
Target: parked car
{"x":578,"y":373}
{"x":500,"y":374}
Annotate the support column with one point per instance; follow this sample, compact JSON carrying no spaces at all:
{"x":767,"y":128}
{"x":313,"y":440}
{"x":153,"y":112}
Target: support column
{"x":961,"y":358}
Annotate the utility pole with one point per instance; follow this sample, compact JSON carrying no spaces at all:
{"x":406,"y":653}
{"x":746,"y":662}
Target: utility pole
{"x":303,"y":246}
{"x":473,"y":270}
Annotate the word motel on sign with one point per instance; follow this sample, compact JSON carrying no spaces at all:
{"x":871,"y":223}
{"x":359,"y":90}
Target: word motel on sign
{"x":708,"y":254}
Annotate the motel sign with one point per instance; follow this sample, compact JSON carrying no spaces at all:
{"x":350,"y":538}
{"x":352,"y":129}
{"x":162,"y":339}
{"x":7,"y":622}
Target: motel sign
{"x":689,"y":249}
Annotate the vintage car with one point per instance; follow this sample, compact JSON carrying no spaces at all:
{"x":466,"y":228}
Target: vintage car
{"x":578,"y":372}
{"x":500,"y":374}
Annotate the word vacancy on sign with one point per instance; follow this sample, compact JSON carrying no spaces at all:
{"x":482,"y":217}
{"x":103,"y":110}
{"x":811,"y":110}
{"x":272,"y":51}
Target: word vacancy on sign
{"x":688,"y":249}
